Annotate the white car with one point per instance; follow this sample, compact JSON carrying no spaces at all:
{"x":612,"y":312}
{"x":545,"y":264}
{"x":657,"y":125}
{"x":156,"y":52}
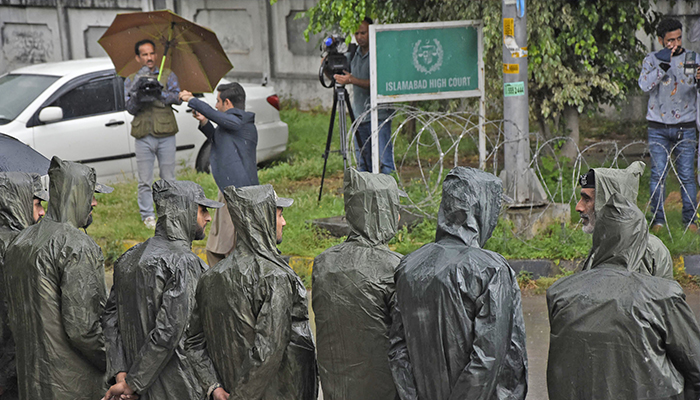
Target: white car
{"x":75,"y":110}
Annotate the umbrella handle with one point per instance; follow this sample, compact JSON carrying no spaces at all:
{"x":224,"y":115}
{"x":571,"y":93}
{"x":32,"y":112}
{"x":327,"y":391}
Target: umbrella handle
{"x":165,"y":52}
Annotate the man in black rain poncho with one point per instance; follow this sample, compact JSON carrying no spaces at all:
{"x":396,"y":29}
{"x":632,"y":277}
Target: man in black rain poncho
{"x":152,"y":299}
{"x":619,"y":334}
{"x":249,"y":334}
{"x":55,"y":285}
{"x":597,"y":186}
{"x":353,"y":288}
{"x":20,"y":206}
{"x":457,"y":327}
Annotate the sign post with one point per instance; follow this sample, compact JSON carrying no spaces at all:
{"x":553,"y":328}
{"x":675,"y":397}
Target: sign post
{"x":426,"y":61}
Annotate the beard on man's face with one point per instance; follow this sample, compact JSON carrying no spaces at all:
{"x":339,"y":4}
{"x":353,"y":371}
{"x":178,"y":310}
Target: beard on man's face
{"x":89,"y":220}
{"x":199,"y":233}
{"x":588,"y":222}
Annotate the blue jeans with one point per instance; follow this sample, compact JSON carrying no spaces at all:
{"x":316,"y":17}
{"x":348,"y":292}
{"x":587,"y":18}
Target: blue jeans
{"x":147,"y":149}
{"x":363,"y":147}
{"x":661,"y":145}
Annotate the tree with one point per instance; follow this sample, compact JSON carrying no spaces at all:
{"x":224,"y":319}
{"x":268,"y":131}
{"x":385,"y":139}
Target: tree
{"x":582,"y":53}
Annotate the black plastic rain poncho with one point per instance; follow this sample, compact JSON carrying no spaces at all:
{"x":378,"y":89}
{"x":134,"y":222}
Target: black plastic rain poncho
{"x":151,"y":301}
{"x":17,"y":191}
{"x":619,"y":334}
{"x":458,"y":329}
{"x":353,"y":289}
{"x":250,"y":331}
{"x":608,"y":181}
{"x":55,"y":285}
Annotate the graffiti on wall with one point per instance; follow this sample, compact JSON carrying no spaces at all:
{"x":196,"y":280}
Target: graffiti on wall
{"x":24,"y":44}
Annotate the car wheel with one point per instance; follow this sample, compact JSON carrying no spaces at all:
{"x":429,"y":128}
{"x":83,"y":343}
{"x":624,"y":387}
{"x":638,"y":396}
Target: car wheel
{"x":202,"y":164}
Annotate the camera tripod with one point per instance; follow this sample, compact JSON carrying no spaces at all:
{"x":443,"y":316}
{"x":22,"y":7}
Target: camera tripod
{"x":340,"y":95}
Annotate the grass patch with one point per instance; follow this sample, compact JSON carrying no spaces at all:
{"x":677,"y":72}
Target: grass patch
{"x":297,"y":174}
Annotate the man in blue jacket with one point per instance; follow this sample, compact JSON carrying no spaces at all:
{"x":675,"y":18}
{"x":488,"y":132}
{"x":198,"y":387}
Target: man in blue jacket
{"x":232,"y":157}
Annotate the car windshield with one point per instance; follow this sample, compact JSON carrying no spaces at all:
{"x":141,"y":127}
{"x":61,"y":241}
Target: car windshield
{"x":20,"y":91}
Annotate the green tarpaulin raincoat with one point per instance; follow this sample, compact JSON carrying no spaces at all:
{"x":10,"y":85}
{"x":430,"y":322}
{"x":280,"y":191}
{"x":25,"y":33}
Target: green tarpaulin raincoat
{"x":616,"y":333}
{"x":608,"y":181}
{"x":16,"y":213}
{"x":55,"y":285}
{"x":152,"y":298}
{"x":250,"y":331}
{"x":353,"y":290}
{"x":457,"y":327}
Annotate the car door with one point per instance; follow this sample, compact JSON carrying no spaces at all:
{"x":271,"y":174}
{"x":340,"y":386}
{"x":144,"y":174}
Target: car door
{"x":93,"y":130}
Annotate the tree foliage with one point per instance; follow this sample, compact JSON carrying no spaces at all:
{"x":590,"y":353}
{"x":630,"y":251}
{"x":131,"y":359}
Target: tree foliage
{"x":582,"y":53}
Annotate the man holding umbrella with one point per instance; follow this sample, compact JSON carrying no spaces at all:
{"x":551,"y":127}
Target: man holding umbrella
{"x":154,"y":125}
{"x":192,"y":51}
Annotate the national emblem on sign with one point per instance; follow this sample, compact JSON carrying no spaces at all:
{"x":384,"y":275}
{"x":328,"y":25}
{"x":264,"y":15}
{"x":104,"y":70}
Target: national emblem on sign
{"x":427,"y":56}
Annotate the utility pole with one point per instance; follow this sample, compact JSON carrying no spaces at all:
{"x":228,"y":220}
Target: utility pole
{"x":520,"y":182}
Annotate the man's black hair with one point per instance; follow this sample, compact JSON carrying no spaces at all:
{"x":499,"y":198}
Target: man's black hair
{"x":668,"y":25}
{"x":368,"y":20}
{"x":234,"y":92}
{"x":141,"y":43}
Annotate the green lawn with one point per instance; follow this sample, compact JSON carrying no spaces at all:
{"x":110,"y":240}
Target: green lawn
{"x":297,"y":173}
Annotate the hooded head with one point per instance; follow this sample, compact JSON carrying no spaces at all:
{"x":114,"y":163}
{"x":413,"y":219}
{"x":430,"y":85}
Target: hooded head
{"x":602,"y":183}
{"x":471,"y":202}
{"x":71,"y":189}
{"x":177,"y":204}
{"x":620,"y":234}
{"x":17,"y":202}
{"x":371,"y":205}
{"x":253,"y":211}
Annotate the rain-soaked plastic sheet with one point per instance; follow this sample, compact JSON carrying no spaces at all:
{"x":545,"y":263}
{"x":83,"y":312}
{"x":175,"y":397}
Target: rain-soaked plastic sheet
{"x":55,"y":286}
{"x":353,"y":290}
{"x":457,"y":325}
{"x":250,"y":331}
{"x":152,"y":299}
{"x":620,"y":334}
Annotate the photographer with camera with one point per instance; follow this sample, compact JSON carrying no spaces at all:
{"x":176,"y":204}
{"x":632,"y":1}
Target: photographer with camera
{"x":154,"y":125}
{"x":669,"y":76}
{"x":358,"y":76}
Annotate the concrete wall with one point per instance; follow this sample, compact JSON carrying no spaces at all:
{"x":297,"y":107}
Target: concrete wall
{"x":264,"y":42}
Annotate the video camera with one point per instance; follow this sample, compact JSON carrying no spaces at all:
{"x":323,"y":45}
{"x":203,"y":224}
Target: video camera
{"x":146,"y":87}
{"x":335,"y":61}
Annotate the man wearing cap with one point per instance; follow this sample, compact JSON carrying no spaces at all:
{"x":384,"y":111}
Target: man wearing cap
{"x":152,"y":299}
{"x":598,"y":185}
{"x":20,"y":206}
{"x":55,"y":285}
{"x":249,"y":336}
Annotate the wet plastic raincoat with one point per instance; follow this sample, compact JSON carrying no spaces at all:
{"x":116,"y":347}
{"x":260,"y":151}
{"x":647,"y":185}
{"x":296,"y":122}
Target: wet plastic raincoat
{"x":55,"y":285}
{"x":353,"y":290}
{"x":608,"y":181}
{"x":16,"y":213}
{"x":250,"y":330}
{"x":151,"y":301}
{"x":458,"y":329}
{"x":619,"y":334}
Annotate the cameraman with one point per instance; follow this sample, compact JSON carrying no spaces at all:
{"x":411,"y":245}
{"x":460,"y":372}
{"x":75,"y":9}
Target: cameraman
{"x":154,"y":125}
{"x":359,"y":77}
{"x":671,"y":119}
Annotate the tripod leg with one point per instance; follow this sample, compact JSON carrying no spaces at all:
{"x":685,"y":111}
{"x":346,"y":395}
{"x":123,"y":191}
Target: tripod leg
{"x":328,"y":144}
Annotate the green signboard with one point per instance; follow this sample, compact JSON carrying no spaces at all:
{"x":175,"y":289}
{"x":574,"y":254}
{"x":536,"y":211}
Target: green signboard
{"x":443,"y":59}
